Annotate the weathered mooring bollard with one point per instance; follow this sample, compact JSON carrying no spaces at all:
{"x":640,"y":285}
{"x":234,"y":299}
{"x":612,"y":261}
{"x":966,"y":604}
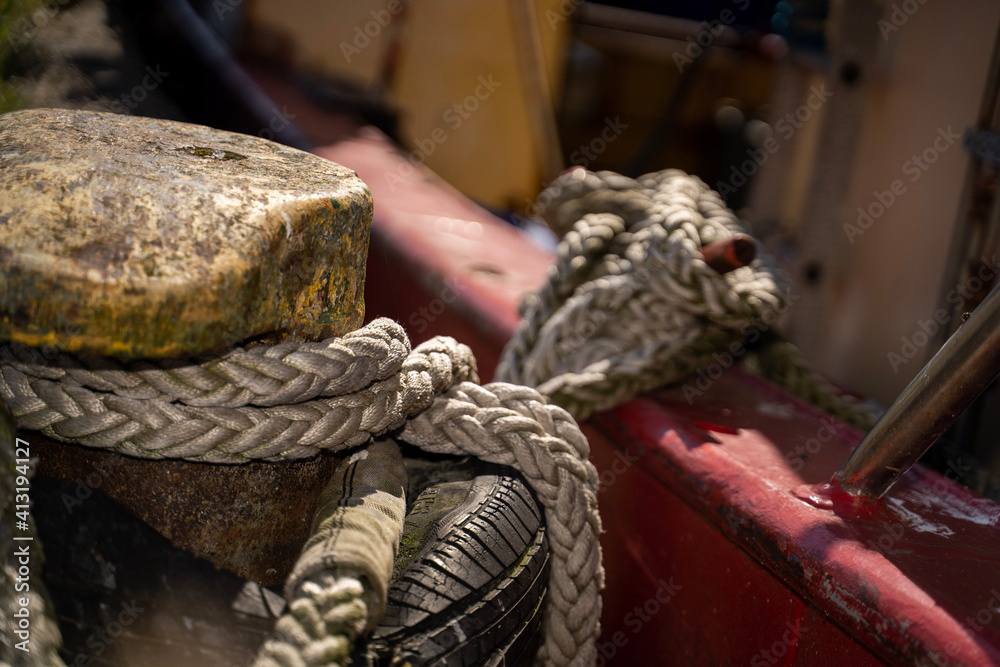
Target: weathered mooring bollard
{"x":136,"y":238}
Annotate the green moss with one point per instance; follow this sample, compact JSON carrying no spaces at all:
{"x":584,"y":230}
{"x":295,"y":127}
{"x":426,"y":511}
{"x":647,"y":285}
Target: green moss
{"x":16,"y":30}
{"x":216,"y":154}
{"x":408,"y":547}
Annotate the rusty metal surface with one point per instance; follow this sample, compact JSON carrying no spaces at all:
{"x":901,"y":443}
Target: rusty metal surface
{"x":730,"y":254}
{"x":250,"y":519}
{"x":130,"y":236}
{"x":721,"y":495}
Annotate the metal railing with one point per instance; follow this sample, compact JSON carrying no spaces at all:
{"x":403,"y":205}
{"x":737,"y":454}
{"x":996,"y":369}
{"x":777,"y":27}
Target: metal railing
{"x":963,"y":367}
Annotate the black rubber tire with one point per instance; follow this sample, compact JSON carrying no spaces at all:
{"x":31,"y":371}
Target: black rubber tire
{"x":471,"y":574}
{"x":468,"y":589}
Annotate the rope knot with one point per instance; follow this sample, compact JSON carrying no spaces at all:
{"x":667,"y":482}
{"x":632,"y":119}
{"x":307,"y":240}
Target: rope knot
{"x":631,"y":303}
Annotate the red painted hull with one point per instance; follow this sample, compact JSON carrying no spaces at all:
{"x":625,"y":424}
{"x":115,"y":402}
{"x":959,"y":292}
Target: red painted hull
{"x":714,"y":555}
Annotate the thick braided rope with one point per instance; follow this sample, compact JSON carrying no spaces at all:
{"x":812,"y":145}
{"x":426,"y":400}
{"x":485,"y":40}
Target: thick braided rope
{"x":544,"y":443}
{"x":155,"y":428}
{"x":324,"y":618}
{"x":630,"y":303}
{"x":500,"y":423}
{"x":516,"y":426}
{"x":263,"y":376}
{"x":339,"y":586}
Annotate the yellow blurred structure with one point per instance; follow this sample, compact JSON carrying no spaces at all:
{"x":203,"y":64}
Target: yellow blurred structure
{"x":466,"y":78}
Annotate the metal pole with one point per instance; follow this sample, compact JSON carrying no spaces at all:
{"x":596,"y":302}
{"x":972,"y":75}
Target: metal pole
{"x":959,"y":372}
{"x":973,"y":229}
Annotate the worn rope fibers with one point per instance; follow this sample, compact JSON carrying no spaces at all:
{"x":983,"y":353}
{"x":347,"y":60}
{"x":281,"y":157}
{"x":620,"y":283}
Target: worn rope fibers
{"x":376,"y":385}
{"x":340,"y":583}
{"x":630,"y":303}
{"x":360,"y":386}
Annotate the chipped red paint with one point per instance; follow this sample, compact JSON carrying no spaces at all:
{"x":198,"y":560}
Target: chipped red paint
{"x":900,"y":576}
{"x":722,"y":545}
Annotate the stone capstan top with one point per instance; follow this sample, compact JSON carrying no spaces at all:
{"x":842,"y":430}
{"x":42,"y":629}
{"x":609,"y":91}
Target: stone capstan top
{"x":136,"y":237}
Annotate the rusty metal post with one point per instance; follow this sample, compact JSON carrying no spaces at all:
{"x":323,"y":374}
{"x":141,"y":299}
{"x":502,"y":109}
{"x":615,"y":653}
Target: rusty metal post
{"x":730,"y":254}
{"x":137,"y":238}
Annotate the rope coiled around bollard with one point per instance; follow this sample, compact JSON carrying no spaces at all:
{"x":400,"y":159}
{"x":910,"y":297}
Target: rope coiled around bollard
{"x":433,"y":388}
{"x":264,"y":375}
{"x":155,"y":428}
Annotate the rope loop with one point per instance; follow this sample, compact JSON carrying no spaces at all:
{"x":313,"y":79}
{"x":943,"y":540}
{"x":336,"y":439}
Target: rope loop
{"x":349,"y":390}
{"x":630,"y":303}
